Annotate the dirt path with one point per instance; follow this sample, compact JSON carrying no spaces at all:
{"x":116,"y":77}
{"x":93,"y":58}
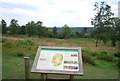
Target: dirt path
{"x":13,"y":38}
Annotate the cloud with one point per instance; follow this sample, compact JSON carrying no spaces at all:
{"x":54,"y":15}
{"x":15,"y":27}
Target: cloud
{"x":52,"y":12}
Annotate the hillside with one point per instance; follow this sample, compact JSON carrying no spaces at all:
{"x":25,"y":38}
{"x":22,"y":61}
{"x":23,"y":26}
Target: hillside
{"x":74,"y":28}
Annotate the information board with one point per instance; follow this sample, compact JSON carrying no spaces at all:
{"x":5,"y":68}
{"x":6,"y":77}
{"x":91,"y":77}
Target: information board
{"x":61,"y":60}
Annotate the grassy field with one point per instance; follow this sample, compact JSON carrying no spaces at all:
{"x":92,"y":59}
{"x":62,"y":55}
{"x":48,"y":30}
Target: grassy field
{"x":13,"y":65}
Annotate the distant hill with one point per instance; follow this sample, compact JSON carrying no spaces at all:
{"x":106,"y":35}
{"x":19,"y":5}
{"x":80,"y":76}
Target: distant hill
{"x":74,"y":28}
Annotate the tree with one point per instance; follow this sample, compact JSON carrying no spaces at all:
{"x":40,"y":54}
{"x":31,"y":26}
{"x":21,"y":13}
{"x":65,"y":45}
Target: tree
{"x":78,"y":34}
{"x":84,"y":33}
{"x":45,"y":31}
{"x":4,"y":28}
{"x":14,"y":27}
{"x":73,"y":34}
{"x":41,"y":31}
{"x":65,"y":32}
{"x":50,"y":33}
{"x":30,"y":28}
{"x":101,"y":22}
{"x":85,"y":30}
{"x":54,"y":32}
{"x":39,"y":28}
{"x":115,"y":35}
{"x":22,"y":30}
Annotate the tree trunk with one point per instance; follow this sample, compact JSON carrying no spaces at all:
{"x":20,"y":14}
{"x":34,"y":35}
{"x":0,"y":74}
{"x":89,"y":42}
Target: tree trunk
{"x":96,"y":42}
{"x":104,"y":41}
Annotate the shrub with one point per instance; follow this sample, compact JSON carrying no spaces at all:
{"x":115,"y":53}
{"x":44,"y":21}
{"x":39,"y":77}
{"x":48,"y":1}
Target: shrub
{"x":95,"y":53}
{"x":118,"y":63}
{"x":4,"y":40}
{"x":20,"y":54}
{"x":24,"y":43}
{"x":30,"y":48}
{"x":105,"y":55}
{"x":33,"y":56}
{"x":8,"y":44}
{"x":90,"y":52}
{"x":29,"y":42}
{"x":117,"y":54}
{"x":87,"y":51}
{"x":87,"y":56}
{"x":88,"y":59}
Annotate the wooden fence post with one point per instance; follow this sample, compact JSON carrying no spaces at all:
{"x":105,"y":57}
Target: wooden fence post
{"x":27,"y":68}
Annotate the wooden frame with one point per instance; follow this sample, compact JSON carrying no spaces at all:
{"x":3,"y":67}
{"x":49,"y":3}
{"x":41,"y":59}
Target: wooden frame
{"x":35,"y":70}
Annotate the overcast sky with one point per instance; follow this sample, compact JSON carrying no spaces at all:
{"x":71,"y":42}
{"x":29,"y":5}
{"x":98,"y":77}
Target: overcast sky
{"x":74,"y":13}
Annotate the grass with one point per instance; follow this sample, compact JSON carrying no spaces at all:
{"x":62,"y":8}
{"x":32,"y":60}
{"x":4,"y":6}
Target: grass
{"x":13,"y":66}
{"x":104,"y":70}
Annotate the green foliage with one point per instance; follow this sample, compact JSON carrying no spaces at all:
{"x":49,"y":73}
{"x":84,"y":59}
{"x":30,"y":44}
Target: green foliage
{"x":102,"y":22}
{"x":4,"y":28}
{"x":30,"y":28}
{"x":105,"y":55}
{"x":4,"y":40}
{"x":22,"y":30}
{"x":65,"y":32}
{"x":73,"y":34}
{"x":54,"y":32}
{"x":32,"y":56}
{"x":87,"y":51}
{"x":14,"y":27}
{"x":29,"y":42}
{"x":87,"y":57}
{"x":102,"y":54}
{"x":40,"y":29}
{"x":24,"y":43}
{"x":115,"y":35}
{"x":78,"y":34}
{"x":117,"y":54}
{"x":95,"y":53}
{"x":8,"y":44}
{"x":20,"y":54}
{"x":86,"y":35}
{"x":33,"y":29}
{"x":118,"y":63}
{"x":90,"y":52}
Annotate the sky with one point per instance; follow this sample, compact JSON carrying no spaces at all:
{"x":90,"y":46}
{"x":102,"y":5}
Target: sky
{"x":74,"y":13}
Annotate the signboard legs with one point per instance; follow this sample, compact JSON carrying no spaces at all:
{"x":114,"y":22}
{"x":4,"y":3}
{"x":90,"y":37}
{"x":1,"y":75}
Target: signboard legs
{"x":71,"y":77}
{"x":43,"y":76}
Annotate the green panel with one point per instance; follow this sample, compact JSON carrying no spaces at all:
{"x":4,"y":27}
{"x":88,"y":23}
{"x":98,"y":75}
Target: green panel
{"x":59,"y":50}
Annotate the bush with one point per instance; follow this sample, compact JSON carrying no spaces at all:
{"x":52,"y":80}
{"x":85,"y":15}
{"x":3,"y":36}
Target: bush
{"x":4,"y":40}
{"x":95,"y":53}
{"x":87,"y":51}
{"x":87,"y":56}
{"x":20,"y":54}
{"x":88,"y":59}
{"x":90,"y":52}
{"x":8,"y":44}
{"x":29,"y":42}
{"x":118,"y":63}
{"x":105,"y":55}
{"x":117,"y":54}
{"x":33,"y":56}
{"x":24,"y":43}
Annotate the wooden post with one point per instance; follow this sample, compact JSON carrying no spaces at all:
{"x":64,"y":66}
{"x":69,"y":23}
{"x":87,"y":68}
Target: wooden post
{"x":71,"y":77}
{"x":43,"y":76}
{"x":46,"y":76}
{"x":27,"y":69}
